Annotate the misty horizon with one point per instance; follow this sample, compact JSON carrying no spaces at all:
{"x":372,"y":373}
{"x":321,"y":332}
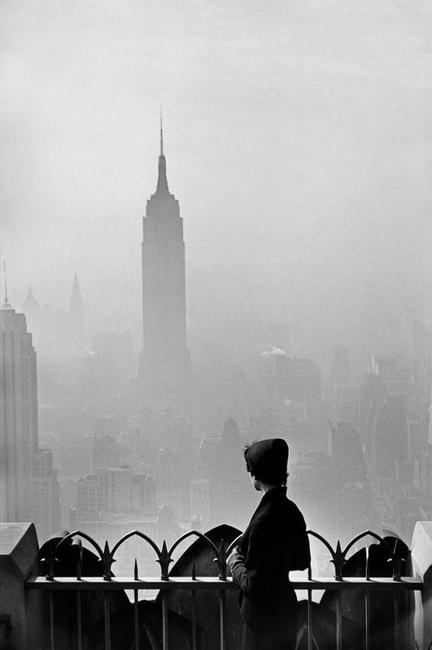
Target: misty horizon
{"x":310,"y":209}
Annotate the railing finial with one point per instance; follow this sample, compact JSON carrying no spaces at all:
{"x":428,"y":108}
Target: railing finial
{"x":338,"y":561}
{"x":107,"y":562}
{"x":222,"y":557}
{"x":164,"y":561}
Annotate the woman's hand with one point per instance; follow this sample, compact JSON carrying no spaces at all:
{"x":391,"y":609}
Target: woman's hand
{"x":234,"y":558}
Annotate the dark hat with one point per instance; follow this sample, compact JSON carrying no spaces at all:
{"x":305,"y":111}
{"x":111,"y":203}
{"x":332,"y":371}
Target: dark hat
{"x":267,"y":457}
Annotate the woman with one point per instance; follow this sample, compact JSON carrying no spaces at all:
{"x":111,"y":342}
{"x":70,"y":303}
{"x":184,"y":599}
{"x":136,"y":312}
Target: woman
{"x":274,"y":543}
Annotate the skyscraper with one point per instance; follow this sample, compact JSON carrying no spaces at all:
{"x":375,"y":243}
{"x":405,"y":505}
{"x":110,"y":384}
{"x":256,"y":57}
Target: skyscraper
{"x":18,"y":415}
{"x":165,"y":362}
{"x":28,"y":483}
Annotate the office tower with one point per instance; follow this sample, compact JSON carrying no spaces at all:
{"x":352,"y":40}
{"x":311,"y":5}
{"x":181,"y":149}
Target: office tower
{"x":18,"y":424}
{"x":29,"y":488}
{"x":346,"y":451}
{"x":115,"y":489}
{"x":165,"y":363}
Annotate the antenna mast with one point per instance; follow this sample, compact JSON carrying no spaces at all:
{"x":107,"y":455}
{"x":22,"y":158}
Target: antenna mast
{"x":6,"y":304}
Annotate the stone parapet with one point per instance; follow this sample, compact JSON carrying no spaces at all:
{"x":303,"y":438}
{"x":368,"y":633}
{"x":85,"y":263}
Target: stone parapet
{"x":20,"y":622}
{"x":421,"y":554}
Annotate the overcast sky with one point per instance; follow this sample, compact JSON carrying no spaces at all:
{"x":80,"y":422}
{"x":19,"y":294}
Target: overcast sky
{"x":298,"y":141}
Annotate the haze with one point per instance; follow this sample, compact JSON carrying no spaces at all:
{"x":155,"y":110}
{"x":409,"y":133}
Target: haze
{"x":297,"y":141}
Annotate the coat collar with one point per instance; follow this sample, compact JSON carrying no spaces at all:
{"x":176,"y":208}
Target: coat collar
{"x":274,"y":495}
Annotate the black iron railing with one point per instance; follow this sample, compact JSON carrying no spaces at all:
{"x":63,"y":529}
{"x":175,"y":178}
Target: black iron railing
{"x":394,"y":585}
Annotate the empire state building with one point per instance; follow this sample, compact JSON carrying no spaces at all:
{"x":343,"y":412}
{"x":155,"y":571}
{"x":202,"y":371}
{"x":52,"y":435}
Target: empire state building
{"x":165,"y":362}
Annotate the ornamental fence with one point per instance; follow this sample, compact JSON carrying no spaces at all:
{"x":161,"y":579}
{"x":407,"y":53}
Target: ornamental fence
{"x":372,"y":601}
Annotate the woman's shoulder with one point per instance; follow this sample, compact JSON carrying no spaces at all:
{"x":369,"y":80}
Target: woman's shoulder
{"x":278,"y":520}
{"x":284,"y":511}
{"x":270,"y":510}
{"x":292,"y":506}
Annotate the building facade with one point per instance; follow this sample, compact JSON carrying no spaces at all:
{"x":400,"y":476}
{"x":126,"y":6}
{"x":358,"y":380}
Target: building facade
{"x":165,"y":362}
{"x":29,"y":486}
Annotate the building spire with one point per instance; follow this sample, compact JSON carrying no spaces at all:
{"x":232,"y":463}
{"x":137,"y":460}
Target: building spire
{"x":5,"y":304}
{"x":162,"y":183}
{"x":161,"y":133}
{"x":30,"y":304}
{"x":76,"y":302}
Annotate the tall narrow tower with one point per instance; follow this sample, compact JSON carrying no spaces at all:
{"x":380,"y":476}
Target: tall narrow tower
{"x":18,"y":415}
{"x":28,"y":483}
{"x":165,"y":359}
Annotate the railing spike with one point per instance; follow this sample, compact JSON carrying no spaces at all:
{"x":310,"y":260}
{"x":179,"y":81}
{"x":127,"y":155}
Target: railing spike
{"x":193,"y":574}
{"x":164,"y":561}
{"x":222,"y":560}
{"x":338,"y":561}
{"x":136,"y":569}
{"x":79,"y":567}
{"x":397,"y":561}
{"x":367,"y":565}
{"x":77,"y":544}
{"x":49,"y":562}
{"x":107,"y":561}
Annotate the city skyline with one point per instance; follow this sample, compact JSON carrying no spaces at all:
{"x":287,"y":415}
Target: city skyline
{"x":305,"y":266}
{"x":216,"y":222}
{"x":312,"y":200}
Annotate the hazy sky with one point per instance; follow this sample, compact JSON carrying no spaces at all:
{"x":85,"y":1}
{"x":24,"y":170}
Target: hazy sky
{"x":298,"y":140}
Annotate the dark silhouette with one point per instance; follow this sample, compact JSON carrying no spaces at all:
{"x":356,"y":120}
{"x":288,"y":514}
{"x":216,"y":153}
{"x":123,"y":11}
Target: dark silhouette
{"x":274,"y":543}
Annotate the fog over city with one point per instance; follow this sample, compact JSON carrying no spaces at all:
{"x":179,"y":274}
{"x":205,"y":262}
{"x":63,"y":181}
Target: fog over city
{"x":297,"y":141}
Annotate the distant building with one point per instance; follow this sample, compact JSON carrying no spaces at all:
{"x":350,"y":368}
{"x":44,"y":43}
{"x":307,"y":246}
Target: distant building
{"x":29,"y":488}
{"x":115,"y":489}
{"x":105,"y":451}
{"x":340,"y":371}
{"x":346,"y":451}
{"x":395,"y":373}
{"x":45,"y":493}
{"x":113,"y":502}
{"x":58,"y":333}
{"x":421,"y":352}
{"x":372,"y":395}
{"x":356,"y":508}
{"x":220,"y":462}
{"x":313,"y":485}
{"x":290,"y":378}
{"x":165,"y":362}
{"x":278,"y":335}
{"x":200,"y":500}
{"x":341,"y":388}
{"x":390,"y":448}
{"x":30,"y":305}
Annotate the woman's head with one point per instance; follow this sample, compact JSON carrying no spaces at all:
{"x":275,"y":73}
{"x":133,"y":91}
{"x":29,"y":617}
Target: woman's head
{"x":267,"y":461}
